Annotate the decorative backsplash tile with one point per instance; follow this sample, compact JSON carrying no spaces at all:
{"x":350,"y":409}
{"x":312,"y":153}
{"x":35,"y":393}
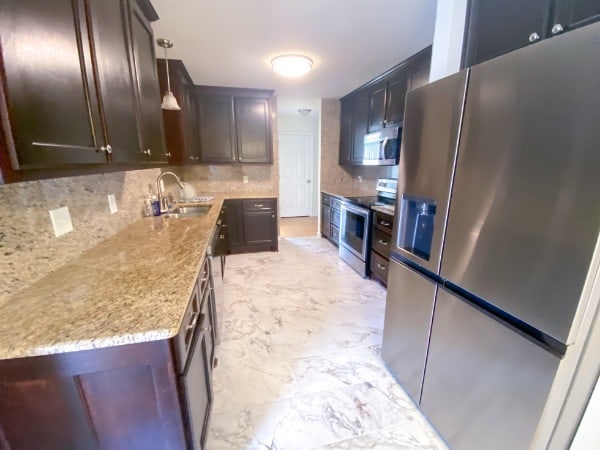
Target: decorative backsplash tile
{"x":28,"y":246}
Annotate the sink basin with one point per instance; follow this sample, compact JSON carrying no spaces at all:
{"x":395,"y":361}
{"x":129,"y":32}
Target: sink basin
{"x":189,"y":211}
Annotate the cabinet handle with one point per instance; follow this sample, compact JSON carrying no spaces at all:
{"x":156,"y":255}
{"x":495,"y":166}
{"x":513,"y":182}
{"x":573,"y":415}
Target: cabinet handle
{"x":259,"y":206}
{"x":557,"y":28}
{"x":147,"y":152}
{"x":385,"y":223}
{"x":273,"y":216}
{"x":381,"y":266}
{"x":383,"y":242}
{"x":207,"y":329}
{"x":239,"y":159}
{"x":192,"y":325}
{"x":233,"y":158}
{"x":534,"y":37}
{"x":222,"y":237}
{"x":168,"y":154}
{"x":107,"y":149}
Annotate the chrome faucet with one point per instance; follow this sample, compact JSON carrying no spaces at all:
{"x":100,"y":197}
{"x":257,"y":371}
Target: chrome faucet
{"x":162,"y":200}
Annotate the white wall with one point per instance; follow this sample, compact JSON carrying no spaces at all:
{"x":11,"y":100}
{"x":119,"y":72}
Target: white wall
{"x":448,"y":38}
{"x":309,"y":124}
{"x":588,"y":433}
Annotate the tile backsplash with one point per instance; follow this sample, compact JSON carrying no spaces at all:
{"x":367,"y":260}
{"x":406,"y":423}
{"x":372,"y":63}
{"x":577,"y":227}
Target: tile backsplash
{"x":28,"y":245}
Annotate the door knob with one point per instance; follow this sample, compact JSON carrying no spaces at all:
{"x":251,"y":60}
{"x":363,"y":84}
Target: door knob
{"x":308,"y":181}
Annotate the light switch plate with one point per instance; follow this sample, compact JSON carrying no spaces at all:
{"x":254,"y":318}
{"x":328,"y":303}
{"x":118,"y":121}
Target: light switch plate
{"x":245,"y":178}
{"x":112,"y":203}
{"x":61,"y":221}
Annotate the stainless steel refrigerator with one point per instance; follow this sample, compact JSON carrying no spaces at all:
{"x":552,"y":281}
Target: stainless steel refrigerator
{"x":498,"y":217}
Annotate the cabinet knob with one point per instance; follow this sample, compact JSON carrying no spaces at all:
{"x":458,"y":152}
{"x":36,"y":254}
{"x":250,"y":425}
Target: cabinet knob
{"x":273,"y":216}
{"x":381,"y":266}
{"x":534,"y":37}
{"x":239,"y":159}
{"x":557,"y":28}
{"x":106,"y":149}
{"x":147,"y":152}
{"x":168,"y":154}
{"x":382,"y":242}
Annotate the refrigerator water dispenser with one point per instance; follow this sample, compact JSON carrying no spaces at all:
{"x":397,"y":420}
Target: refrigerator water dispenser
{"x":416,"y":225}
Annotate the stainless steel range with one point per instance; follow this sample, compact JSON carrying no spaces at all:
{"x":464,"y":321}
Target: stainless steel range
{"x":355,"y":225}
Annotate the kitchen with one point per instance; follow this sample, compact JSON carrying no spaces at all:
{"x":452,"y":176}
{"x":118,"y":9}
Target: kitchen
{"x":87,"y":197}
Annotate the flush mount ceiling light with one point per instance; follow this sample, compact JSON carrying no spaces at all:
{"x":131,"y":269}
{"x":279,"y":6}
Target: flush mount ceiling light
{"x":169,"y":101}
{"x":291,"y":66}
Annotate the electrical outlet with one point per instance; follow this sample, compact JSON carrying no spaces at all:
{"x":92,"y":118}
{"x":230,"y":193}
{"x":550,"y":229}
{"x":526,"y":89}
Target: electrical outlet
{"x":112,"y":203}
{"x":61,"y":221}
{"x":245,"y":178}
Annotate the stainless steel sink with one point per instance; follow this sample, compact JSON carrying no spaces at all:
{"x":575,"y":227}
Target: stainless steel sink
{"x":181,"y":212}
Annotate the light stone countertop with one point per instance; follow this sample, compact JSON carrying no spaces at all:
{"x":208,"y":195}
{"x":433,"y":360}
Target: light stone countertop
{"x":345,"y":193}
{"x":133,"y":287}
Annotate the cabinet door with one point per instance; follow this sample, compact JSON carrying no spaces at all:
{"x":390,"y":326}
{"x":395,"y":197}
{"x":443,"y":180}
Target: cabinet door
{"x":326,"y":220}
{"x":52,"y":104}
{"x":497,"y":27}
{"x":253,"y":130}
{"x":215,"y":118}
{"x":573,"y":13}
{"x":109,"y":27}
{"x":394,"y":111}
{"x":360,"y":120}
{"x":259,"y":227}
{"x":377,"y":102}
{"x":190,"y":123}
{"x":149,"y":97}
{"x":233,"y":222}
{"x":345,"y":131}
{"x":197,"y":387}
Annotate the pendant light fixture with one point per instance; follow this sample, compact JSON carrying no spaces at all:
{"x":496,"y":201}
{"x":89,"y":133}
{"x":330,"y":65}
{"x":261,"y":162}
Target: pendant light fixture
{"x":169,"y":101}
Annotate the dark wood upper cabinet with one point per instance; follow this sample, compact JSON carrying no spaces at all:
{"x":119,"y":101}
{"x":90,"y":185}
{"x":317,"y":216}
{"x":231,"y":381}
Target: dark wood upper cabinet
{"x":345,"y":131}
{"x":51,"y":102}
{"x":181,"y":127}
{"x":253,"y":129}
{"x":215,"y":122}
{"x":360,"y":126}
{"x":574,"y":13}
{"x":379,"y":104}
{"x":396,"y":93}
{"x":149,"y":96}
{"x":494,"y":28}
{"x":79,"y":86}
{"x":235,"y":125}
{"x":115,"y":78}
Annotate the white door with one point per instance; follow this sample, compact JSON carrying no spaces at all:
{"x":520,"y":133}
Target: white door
{"x":295,"y":174}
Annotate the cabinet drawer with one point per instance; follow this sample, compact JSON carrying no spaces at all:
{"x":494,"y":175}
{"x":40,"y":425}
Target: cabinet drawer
{"x":335,"y":233}
{"x":379,"y":267}
{"x":384,"y":221}
{"x":381,"y":242}
{"x":259,"y":205}
{"x":335,"y":217}
{"x":325,"y":199}
{"x":336,"y":203}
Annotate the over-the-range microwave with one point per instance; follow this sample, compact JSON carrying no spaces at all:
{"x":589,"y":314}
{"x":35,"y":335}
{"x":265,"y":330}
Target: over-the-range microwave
{"x":382,"y":147}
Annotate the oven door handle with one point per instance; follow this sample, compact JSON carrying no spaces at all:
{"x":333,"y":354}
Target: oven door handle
{"x":355,"y":209}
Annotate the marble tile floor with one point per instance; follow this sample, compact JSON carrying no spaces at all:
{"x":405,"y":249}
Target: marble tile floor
{"x":299,"y":360}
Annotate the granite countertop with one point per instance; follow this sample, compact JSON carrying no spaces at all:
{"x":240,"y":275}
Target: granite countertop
{"x":132,"y":287}
{"x":386,"y":209}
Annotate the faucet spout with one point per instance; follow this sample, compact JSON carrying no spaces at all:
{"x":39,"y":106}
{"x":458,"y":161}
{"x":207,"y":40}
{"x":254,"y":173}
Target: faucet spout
{"x":161,"y":198}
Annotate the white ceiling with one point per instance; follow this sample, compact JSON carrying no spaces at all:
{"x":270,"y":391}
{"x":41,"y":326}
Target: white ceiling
{"x":230,"y":42}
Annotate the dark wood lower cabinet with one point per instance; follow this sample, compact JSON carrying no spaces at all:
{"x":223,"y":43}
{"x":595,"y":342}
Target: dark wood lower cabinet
{"x":381,"y":232}
{"x":251,"y":225}
{"x":152,"y":395}
{"x":330,"y":217}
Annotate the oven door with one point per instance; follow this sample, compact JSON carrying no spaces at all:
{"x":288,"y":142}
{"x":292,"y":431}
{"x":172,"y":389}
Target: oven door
{"x":354,"y":229}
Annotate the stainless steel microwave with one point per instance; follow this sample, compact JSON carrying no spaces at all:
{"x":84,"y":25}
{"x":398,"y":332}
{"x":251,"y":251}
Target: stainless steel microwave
{"x":382,"y":148}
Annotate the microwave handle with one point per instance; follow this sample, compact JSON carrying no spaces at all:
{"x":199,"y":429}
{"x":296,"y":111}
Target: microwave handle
{"x":382,"y":148}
